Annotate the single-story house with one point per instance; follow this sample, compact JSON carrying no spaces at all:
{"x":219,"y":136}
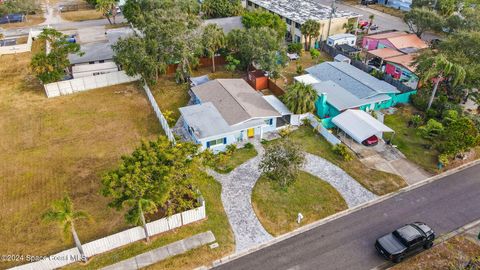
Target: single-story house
{"x":343,"y":86}
{"x":401,"y":41}
{"x":98,"y":54}
{"x":402,"y":68}
{"x":228,"y":111}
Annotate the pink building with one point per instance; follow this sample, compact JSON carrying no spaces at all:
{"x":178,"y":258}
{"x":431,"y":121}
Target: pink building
{"x":400,"y":41}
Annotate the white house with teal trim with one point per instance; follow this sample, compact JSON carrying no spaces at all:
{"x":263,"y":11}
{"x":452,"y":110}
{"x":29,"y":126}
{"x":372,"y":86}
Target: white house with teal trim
{"x":341,"y":86}
{"x":229,"y":111}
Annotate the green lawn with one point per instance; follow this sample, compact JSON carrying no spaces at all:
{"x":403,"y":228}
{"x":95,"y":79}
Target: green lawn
{"x":412,"y":145}
{"x":216,"y":222}
{"x":277,"y":208}
{"x":378,"y":182}
{"x":239,"y":157}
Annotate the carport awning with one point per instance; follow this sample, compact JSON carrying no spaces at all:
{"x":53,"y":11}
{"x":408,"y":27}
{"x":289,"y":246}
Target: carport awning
{"x":359,"y":125}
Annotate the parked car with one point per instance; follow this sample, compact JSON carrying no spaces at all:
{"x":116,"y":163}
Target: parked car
{"x":368,"y":2}
{"x":372,"y":141}
{"x":404,"y":241}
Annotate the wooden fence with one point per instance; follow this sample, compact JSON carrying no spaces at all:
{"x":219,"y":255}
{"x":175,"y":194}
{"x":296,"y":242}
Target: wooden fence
{"x":203,"y":62}
{"x":274,"y":88}
{"x":117,"y":240}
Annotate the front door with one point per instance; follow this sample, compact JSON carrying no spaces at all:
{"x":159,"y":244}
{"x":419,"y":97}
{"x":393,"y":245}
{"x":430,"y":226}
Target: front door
{"x":251,"y":132}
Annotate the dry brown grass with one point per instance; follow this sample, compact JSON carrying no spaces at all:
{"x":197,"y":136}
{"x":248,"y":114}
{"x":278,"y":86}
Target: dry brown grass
{"x":30,"y":21}
{"x":290,"y":71}
{"x":455,"y":251}
{"x":82,"y":15}
{"x":52,"y":146}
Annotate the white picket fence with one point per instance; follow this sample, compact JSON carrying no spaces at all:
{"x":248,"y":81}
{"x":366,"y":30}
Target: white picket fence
{"x":21,"y":48}
{"x":117,"y":240}
{"x":159,"y":113}
{"x":322,"y":130}
{"x":68,"y":87}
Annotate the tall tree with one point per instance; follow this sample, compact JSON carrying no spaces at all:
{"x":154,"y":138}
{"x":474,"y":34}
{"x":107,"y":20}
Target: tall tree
{"x":300,"y":98}
{"x":261,"y":18}
{"x":213,"y":39}
{"x":63,"y":213}
{"x":257,"y":47}
{"x":107,"y":8}
{"x":438,"y":68}
{"x":221,"y":8}
{"x":310,"y":30}
{"x":157,"y":174}
{"x":420,"y":20}
{"x":282,"y":162}
{"x":50,"y":67}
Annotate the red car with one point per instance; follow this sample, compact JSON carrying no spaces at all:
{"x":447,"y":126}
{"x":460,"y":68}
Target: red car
{"x":371,"y":141}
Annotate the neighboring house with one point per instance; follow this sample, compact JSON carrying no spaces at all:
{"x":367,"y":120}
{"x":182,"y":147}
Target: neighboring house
{"x":343,"y":86}
{"x":228,"y":111}
{"x":403,"y":69}
{"x":401,"y":41}
{"x":227,"y":24}
{"x":98,"y":55}
{"x":295,"y":13}
{"x":340,"y":39}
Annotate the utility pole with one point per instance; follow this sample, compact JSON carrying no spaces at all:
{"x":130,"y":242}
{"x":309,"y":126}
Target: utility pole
{"x":332,"y":11}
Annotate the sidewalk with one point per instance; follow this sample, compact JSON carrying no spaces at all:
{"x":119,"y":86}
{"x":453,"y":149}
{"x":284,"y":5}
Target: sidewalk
{"x":159,"y":254}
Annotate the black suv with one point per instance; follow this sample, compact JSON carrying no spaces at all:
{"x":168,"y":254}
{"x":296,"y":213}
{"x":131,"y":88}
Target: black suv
{"x":405,"y":240}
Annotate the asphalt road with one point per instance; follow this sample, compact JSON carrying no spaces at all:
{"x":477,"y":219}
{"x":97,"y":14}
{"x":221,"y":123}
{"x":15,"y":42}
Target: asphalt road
{"x":347,"y":243}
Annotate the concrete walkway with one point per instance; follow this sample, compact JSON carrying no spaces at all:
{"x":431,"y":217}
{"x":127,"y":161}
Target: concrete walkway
{"x":353,"y":193}
{"x":161,"y":253}
{"x":237,"y":189}
{"x":237,"y":200}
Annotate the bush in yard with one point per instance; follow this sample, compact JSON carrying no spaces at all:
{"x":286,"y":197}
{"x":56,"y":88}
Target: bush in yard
{"x":315,"y":54}
{"x":300,"y":70}
{"x":416,"y":120}
{"x":342,"y":150}
{"x":306,"y":122}
{"x":459,"y":136}
{"x":295,"y":48}
{"x":282,"y":162}
{"x":284,"y":132}
{"x":230,"y":149}
{"x":248,"y":145}
{"x":431,"y":130}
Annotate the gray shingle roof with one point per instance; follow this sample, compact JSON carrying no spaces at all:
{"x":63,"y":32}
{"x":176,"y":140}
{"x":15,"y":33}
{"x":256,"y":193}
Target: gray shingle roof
{"x":359,"y":83}
{"x":301,"y":10}
{"x":342,"y":99}
{"x":205,"y":120}
{"x":235,"y":99}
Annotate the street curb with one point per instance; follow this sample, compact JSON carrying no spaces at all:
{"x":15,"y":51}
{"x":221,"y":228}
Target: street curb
{"x":341,"y":214}
{"x":438,"y":241}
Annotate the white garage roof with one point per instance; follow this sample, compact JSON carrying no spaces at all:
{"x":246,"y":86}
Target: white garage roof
{"x":277,"y":105}
{"x":359,"y":125}
{"x":307,"y":79}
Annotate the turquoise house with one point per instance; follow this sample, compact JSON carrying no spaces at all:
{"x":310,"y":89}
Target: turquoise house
{"x":341,"y":86}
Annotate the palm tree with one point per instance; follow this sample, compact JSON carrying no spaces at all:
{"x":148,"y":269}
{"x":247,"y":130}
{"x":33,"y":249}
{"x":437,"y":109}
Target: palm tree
{"x":136,"y":214}
{"x":439,"y":68}
{"x":213,"y":39}
{"x":107,"y":8}
{"x":63,"y":213}
{"x":370,"y":23}
{"x":310,"y":29}
{"x":300,"y":98}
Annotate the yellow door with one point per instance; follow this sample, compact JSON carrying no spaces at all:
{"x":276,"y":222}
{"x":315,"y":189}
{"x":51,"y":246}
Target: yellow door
{"x":251,"y":132}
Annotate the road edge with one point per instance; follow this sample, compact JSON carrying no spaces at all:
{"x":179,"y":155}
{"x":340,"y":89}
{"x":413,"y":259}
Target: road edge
{"x":338,"y":215}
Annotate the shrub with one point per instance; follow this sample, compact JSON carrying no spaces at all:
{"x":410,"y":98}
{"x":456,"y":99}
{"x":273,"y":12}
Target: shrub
{"x":342,"y":150}
{"x":295,"y":48}
{"x":306,"y":122}
{"x":315,"y":54}
{"x":248,"y":145}
{"x":230,"y":149}
{"x":444,"y":159}
{"x":416,"y":120}
{"x":300,"y":70}
{"x":284,"y":132}
{"x":431,"y":130}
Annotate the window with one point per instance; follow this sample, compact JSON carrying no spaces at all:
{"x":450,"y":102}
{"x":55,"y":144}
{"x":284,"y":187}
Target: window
{"x":298,"y":39}
{"x":249,"y":4}
{"x":289,"y":22}
{"x":101,"y":61}
{"x":298,"y":26}
{"x":91,"y":62}
{"x":269,"y":121}
{"x":216,"y":142}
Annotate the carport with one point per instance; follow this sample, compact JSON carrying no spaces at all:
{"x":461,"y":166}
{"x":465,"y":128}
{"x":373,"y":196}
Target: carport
{"x":360,"y":125}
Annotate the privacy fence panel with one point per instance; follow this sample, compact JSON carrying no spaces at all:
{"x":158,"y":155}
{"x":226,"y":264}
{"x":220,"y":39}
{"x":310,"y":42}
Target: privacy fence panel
{"x":322,"y":130}
{"x":158,"y":113}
